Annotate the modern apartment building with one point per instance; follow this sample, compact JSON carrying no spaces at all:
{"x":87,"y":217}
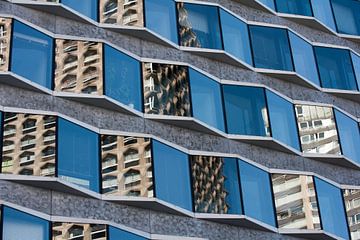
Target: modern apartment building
{"x":179,"y":119}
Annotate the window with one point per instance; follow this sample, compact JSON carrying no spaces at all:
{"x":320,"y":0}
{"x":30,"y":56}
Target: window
{"x":236,"y":37}
{"x":346,"y":14}
{"x":356,"y":63}
{"x":271,"y":48}
{"x":331,"y":208}
{"x":122,"y":78}
{"x":5,"y":35}
{"x":78,"y":155}
{"x":206,"y":100}
{"x":352,"y":202}
{"x":172,"y":177}
{"x":246,"y":111}
{"x":323,"y":12}
{"x":335,"y":68}
{"x":116,"y":234}
{"x":199,"y":26}
{"x":299,"y":7}
{"x":77,"y":231}
{"x":268,"y":3}
{"x":32,"y":54}
{"x":88,"y":8}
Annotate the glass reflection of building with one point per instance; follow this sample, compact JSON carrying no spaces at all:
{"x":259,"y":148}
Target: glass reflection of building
{"x":352,"y":204}
{"x":188,"y":37}
{"x":29,"y":144}
{"x":317,"y":129}
{"x":78,"y":231}
{"x":166,"y":89}
{"x":295,"y":201}
{"x":126,"y":166}
{"x":122,"y":12}
{"x":5,"y":34}
{"x":79,"y":67}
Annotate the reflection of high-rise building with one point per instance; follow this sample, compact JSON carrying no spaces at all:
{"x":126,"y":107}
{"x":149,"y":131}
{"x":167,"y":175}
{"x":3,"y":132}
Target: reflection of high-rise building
{"x":166,"y":89}
{"x":352,"y":204}
{"x":295,"y":201}
{"x":122,"y":12}
{"x":78,"y":231}
{"x":5,"y":34}
{"x":187,"y":36}
{"x":126,"y":166}
{"x":79,"y":67}
{"x":317,"y":129}
{"x":29,"y":144}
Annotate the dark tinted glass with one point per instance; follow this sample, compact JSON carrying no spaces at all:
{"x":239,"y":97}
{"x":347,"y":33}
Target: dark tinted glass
{"x":271,"y":48}
{"x":347,"y":17}
{"x":118,"y":234}
{"x":89,"y":8}
{"x":322,"y":11}
{"x":356,"y":63}
{"x":246,"y":111}
{"x":300,"y":7}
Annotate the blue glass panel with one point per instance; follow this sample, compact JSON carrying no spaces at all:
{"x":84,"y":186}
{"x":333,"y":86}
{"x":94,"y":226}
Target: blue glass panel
{"x":282,"y":120}
{"x":161,"y":18}
{"x":356,"y":63}
{"x":349,"y":136}
{"x":89,"y":8}
{"x":206,"y":100}
{"x":256,"y":193}
{"x":236,"y":37}
{"x":347,"y":17}
{"x":172,"y":175}
{"x":78,"y":155}
{"x":17,"y":224}
{"x":304,"y":59}
{"x":323,"y":12}
{"x":118,"y":234}
{"x":199,"y":26}
{"x":271,"y":48}
{"x":269,"y":3}
{"x":32,"y":54}
{"x":122,"y":78}
{"x":232,"y":185}
{"x":300,"y":7}
{"x":335,"y":68}
{"x":331,"y":207}
{"x":246,"y":111}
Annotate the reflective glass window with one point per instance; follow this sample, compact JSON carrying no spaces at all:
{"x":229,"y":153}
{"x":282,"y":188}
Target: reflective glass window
{"x":323,"y":12}
{"x":347,"y":17}
{"x":206,"y":100}
{"x":78,"y":231}
{"x":89,"y":8}
{"x":331,"y":207}
{"x":352,"y":205}
{"x":246,"y":111}
{"x":122,"y":78}
{"x":256,"y":193}
{"x":304,"y":58}
{"x":118,"y":234}
{"x":271,"y":48}
{"x":32,"y":54}
{"x":269,"y":3}
{"x":199,"y":26}
{"x":282,"y":120}
{"x":215,"y":183}
{"x":17,"y":224}
{"x":78,"y":155}
{"x":335,"y":68}
{"x":122,"y":12}
{"x":349,"y":136}
{"x":356,"y":63}
{"x":161,"y":18}
{"x":300,"y":7}
{"x":5,"y":33}
{"x":236,"y":37}
{"x":172,"y":176}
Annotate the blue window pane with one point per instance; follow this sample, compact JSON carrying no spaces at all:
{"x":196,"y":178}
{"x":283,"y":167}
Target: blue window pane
{"x":122,"y":78}
{"x":78,"y":155}
{"x":172,"y":175}
{"x":17,"y":224}
{"x":236,"y":37}
{"x":256,"y":193}
{"x":32,"y":54}
{"x":331,"y":208}
{"x":271,"y":48}
{"x":335,"y":68}
{"x":161,"y":18}
{"x":300,"y":7}
{"x":349,"y":136}
{"x":232,"y":185}
{"x":356,"y":63}
{"x":269,"y":3}
{"x":206,"y":100}
{"x":246,"y":111}
{"x":323,"y":12}
{"x":199,"y":26}
{"x":347,"y":17}
{"x":118,"y":234}
{"x":304,"y":59}
{"x":282,"y":120}
{"x":89,"y":8}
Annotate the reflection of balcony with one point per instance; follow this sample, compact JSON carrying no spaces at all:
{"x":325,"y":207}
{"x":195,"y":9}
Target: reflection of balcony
{"x":47,"y":171}
{"x":27,"y":143}
{"x":49,"y":138}
{"x":27,"y":159}
{"x":109,"y":163}
{"x":9,"y":132}
{"x":110,"y":183}
{"x":9,"y":147}
{"x":132,"y":179}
